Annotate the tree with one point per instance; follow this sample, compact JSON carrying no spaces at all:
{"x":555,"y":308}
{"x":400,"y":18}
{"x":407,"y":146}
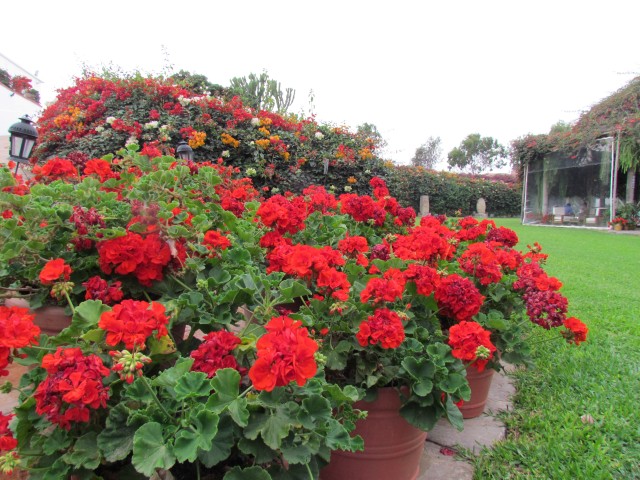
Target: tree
{"x":369,"y":130}
{"x":428,"y":154}
{"x":560,"y":127}
{"x":262,"y":93}
{"x":477,"y":154}
{"x":197,"y":83}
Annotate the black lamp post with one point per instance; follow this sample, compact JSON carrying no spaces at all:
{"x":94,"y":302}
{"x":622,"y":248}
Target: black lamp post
{"x":184,"y":151}
{"x":22,"y":138}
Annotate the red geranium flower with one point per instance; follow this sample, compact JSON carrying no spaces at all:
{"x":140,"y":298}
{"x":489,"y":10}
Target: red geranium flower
{"x":53,"y":270}
{"x":458,"y":298}
{"x":471,"y":343}
{"x":16,"y":331}
{"x":215,"y":241}
{"x":389,"y":288}
{"x":285,"y":353}
{"x":576,"y":331}
{"x":7,"y":442}
{"x":99,"y":289}
{"x":215,"y":352}
{"x":384,"y":327}
{"x":132,"y":322}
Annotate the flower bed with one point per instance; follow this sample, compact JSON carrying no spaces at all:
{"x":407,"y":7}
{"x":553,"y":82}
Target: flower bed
{"x":214,"y":330}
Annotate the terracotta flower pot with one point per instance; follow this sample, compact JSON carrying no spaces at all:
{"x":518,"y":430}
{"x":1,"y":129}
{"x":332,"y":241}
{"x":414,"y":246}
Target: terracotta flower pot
{"x":392,"y":446}
{"x":51,"y":319}
{"x":480,"y":384}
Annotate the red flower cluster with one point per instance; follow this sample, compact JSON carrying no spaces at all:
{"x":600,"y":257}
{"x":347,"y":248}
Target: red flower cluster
{"x":215,"y":352}
{"x":576,"y":331}
{"x":319,"y":200}
{"x":389,"y":288}
{"x":471,"y":343}
{"x":7,"y":442}
{"x":458,"y":298}
{"x":481,"y":262}
{"x":471,"y":229}
{"x":99,"y":167}
{"x":425,"y":243}
{"x":285,"y":353}
{"x":355,"y":247}
{"x":384,"y":327}
{"x":545,"y":305}
{"x":282,"y":214}
{"x":215,"y":241}
{"x":55,"y":169}
{"x":16,"y":331}
{"x":503,"y":235}
{"x":132,"y":322}
{"x":425,"y":278}
{"x":83,"y":219}
{"x":53,"y":270}
{"x":100,"y":289}
{"x":143,"y":257}
{"x":73,"y":386}
{"x":362,"y":208}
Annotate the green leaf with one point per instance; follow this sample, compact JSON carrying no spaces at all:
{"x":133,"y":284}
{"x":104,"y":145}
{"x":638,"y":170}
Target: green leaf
{"x":84,"y":453}
{"x":221,"y":445}
{"x":138,"y":391}
{"x":170,"y":377}
{"x":226,"y":384}
{"x":420,"y":417}
{"x":219,"y":276}
{"x":193,"y":385}
{"x":298,"y":453}
{"x":423,"y":387}
{"x":203,"y":429}
{"x":161,"y":346}
{"x":95,"y":335}
{"x":150,"y":450}
{"x":290,"y":289}
{"x":88,"y":313}
{"x":58,"y":440}
{"x":257,"y":449}
{"x":249,"y":473}
{"x":239,"y":412}
{"x":453,"y":414}
{"x":273,"y":428}
{"x":452,"y":383}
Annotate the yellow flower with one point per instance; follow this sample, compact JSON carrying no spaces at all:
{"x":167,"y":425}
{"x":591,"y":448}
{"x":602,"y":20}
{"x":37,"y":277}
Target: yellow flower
{"x":352,"y":180}
{"x":264,"y":131}
{"x":229,"y":140}
{"x":265,"y":121}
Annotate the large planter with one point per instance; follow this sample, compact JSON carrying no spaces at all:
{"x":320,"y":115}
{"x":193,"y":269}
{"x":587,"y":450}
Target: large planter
{"x":480,"y":384}
{"x":392,"y":446}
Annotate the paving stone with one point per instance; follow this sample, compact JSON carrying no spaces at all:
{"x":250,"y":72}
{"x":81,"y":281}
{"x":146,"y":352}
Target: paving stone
{"x":436,"y":466}
{"x":478,"y":432}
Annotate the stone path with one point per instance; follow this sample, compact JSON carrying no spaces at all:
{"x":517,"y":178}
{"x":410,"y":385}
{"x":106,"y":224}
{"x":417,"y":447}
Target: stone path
{"x":478,"y":432}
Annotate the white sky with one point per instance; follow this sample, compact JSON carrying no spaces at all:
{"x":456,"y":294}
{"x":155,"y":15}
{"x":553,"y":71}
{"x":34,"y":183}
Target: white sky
{"x":413,"y":68}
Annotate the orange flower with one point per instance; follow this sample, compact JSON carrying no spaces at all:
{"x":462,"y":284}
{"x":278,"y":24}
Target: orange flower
{"x":229,"y":140}
{"x":352,"y":180}
{"x":196,"y":139}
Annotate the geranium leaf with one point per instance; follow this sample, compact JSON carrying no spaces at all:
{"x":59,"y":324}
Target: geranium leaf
{"x":249,"y":473}
{"x":275,"y":428}
{"x":221,"y":445}
{"x":290,"y":289}
{"x":198,"y":436}
{"x":226,"y":385}
{"x":138,"y":391}
{"x":239,"y":412}
{"x":424,"y":419}
{"x":170,"y":377}
{"x":423,"y":387}
{"x":95,"y":335}
{"x":88,"y":314}
{"x":84,"y":452}
{"x":453,"y":414}
{"x":452,"y":383}
{"x":192,"y":385}
{"x":150,"y":450}
{"x":297,"y":453}
{"x":257,"y":449}
{"x":161,"y":346}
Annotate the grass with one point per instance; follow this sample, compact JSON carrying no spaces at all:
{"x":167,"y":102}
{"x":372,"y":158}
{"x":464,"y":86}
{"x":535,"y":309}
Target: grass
{"x":546,"y":437}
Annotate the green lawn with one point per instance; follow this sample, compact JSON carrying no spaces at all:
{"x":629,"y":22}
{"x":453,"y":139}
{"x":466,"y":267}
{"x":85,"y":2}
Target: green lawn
{"x":601,"y":378}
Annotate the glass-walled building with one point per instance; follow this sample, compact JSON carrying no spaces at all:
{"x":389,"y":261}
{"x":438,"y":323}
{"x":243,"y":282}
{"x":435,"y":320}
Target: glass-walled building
{"x":571,"y":190}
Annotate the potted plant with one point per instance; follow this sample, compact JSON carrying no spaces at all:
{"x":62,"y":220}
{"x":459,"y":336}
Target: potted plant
{"x":619,"y":223}
{"x":216,"y":332}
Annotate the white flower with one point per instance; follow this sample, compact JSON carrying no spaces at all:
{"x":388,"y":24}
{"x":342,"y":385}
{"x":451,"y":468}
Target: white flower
{"x":250,"y":172}
{"x":347,"y":188}
{"x":164,"y":127}
{"x":332,"y":187}
{"x":99,"y":128}
{"x":319,"y":135}
{"x":255,"y":122}
{"x":275,"y":190}
{"x":298,"y":172}
{"x":367,"y":172}
{"x":184,"y":101}
{"x":110,"y":120}
{"x":131,"y":140}
{"x":150,"y":125}
{"x":225,"y":153}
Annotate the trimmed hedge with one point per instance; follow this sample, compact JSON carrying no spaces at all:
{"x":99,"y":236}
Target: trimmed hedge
{"x":450,"y":193}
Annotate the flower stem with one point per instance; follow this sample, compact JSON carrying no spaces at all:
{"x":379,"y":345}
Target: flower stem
{"x":181,"y":283}
{"x":310,"y":472}
{"x":157,"y":400}
{"x":73,"y":310}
